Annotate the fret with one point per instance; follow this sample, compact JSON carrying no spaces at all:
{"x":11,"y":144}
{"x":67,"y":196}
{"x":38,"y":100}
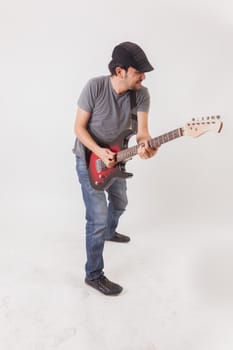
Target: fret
{"x":158,"y":141}
{"x":127,"y":153}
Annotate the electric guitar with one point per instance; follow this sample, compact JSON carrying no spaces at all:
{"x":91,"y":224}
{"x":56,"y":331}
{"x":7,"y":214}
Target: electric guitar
{"x":102,"y":177}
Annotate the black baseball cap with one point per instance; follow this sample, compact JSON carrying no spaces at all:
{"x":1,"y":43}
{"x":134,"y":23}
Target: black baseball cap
{"x":129,"y":54}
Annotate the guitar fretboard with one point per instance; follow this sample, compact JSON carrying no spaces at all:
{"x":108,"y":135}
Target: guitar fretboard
{"x":156,"y":142}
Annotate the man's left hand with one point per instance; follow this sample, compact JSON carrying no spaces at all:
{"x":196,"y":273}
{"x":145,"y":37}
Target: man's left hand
{"x":145,"y":151}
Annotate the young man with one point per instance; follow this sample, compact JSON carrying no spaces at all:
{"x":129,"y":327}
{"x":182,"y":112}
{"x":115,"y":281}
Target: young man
{"x":104,"y":112}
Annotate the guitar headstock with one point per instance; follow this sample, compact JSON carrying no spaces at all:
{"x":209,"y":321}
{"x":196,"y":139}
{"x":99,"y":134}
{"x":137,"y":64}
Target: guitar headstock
{"x":197,"y":127}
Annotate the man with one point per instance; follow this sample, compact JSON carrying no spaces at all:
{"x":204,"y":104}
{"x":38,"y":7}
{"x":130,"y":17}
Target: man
{"x":104,"y":111}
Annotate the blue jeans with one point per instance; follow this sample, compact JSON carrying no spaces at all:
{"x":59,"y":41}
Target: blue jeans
{"x":102,"y":216}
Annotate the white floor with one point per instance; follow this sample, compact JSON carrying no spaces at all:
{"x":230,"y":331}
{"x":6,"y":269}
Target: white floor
{"x":178,"y":291}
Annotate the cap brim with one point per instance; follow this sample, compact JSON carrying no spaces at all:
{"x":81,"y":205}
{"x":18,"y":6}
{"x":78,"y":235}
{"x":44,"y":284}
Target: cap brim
{"x":147,"y":68}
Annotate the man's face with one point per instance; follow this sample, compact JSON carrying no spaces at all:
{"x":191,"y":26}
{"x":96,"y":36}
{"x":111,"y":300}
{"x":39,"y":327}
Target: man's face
{"x":133,"y":78}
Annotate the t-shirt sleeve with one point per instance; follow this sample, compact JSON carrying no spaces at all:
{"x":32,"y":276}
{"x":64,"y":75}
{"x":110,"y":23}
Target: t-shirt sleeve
{"x":86,"y":100}
{"x":143,"y":100}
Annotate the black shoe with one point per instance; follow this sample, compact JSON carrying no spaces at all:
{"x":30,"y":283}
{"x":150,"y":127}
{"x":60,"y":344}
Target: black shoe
{"x":103,"y":285}
{"x":118,"y":237}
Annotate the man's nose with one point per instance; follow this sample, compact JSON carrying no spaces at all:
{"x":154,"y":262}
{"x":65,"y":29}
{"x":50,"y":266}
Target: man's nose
{"x":143,"y":76}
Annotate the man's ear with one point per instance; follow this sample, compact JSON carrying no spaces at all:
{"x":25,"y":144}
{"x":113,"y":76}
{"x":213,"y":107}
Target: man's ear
{"x":120,"y":72}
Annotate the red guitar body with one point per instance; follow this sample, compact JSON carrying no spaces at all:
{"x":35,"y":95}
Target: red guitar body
{"x":102,"y":177}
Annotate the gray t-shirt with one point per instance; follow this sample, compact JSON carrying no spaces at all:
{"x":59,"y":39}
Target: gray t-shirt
{"x":110,"y":112}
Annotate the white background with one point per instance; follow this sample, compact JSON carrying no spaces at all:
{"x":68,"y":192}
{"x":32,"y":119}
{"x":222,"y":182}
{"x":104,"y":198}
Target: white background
{"x":177,"y":271}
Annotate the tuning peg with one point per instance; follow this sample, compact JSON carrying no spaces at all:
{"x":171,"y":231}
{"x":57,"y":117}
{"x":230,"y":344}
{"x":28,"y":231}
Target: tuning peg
{"x":218,"y":117}
{"x":213,"y":119}
{"x":193,"y":119}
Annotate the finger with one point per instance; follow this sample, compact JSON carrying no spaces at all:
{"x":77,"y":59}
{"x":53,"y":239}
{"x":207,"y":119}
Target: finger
{"x":141,"y":148}
{"x":147,"y":146}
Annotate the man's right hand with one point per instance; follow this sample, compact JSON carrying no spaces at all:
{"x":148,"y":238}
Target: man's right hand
{"x":107,"y":156}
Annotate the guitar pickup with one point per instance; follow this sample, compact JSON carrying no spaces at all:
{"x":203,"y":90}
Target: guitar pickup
{"x":99,"y":164}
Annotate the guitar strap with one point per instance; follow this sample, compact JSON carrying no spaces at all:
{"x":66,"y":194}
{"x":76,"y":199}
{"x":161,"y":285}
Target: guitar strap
{"x":134,"y":119}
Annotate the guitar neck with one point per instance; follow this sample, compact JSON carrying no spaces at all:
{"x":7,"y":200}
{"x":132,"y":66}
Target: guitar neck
{"x":156,"y":142}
